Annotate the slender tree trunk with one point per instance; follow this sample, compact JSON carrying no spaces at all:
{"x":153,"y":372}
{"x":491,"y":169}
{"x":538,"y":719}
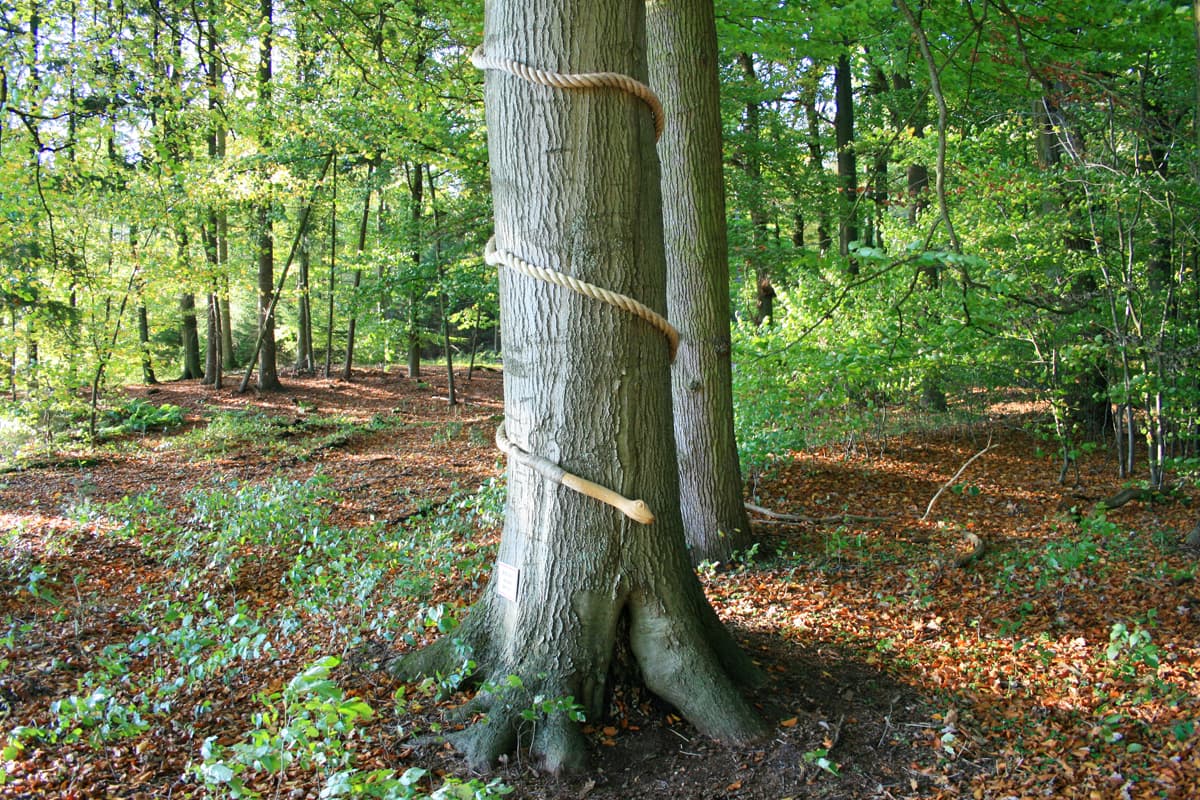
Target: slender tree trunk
{"x":212,"y":365}
{"x":816,"y":163}
{"x":443,"y":302}
{"x":211,"y":230}
{"x":212,"y":316}
{"x":228,"y":355}
{"x":268,"y":376}
{"x":847,"y":160}
{"x":191,"y":337}
{"x":148,"y":375}
{"x":416,"y":189}
{"x":333,"y":229}
{"x":764,"y":303}
{"x":143,"y":317}
{"x":357,"y":279}
{"x":682,"y":39}
{"x":587,"y":387}
{"x":304,"y":351}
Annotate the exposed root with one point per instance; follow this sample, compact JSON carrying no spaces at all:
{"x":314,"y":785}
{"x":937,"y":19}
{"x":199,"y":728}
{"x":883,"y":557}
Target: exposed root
{"x":680,"y":667}
{"x":512,"y":721}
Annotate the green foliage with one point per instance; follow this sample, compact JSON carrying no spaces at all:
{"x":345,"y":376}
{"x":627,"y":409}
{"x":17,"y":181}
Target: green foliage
{"x":1129,"y":651}
{"x":139,"y":416}
{"x":310,"y":727}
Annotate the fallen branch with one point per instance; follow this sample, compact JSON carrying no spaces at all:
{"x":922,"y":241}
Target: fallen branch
{"x":949,"y":483}
{"x":801,"y":519}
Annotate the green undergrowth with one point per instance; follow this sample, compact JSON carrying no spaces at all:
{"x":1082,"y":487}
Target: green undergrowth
{"x":297,"y":435}
{"x":252,"y":579}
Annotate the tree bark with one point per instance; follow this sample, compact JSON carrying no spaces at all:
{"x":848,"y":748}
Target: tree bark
{"x":212,"y":359}
{"x":575,"y":182}
{"x":143,"y":317}
{"x":682,"y":37}
{"x":816,"y":162}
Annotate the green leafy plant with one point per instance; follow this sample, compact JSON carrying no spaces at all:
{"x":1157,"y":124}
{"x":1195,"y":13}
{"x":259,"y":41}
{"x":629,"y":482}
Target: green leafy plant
{"x":307,"y":725}
{"x":139,"y":416}
{"x":819,"y":757}
{"x":1131,"y":650}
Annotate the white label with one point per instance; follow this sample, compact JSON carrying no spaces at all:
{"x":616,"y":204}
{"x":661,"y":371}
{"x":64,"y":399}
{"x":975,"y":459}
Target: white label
{"x":507,"y":579}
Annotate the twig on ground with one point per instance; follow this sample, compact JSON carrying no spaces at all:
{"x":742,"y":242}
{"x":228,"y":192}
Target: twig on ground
{"x":949,"y":483}
{"x":801,"y":519}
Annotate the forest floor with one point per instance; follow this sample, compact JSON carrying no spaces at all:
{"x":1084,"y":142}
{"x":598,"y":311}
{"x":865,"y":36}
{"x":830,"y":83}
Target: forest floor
{"x":160,"y":595}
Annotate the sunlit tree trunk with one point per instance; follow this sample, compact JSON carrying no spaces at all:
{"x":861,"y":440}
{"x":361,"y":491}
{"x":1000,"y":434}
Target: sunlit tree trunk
{"x":587,"y":387}
{"x":683,"y":70}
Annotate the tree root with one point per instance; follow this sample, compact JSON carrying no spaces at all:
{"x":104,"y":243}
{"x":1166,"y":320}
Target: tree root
{"x":1125,"y":496}
{"x":978,"y":548}
{"x":528,"y":699}
{"x":1193,"y":537}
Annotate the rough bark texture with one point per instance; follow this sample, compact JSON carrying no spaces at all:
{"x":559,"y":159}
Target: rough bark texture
{"x":682,"y":37}
{"x":575,"y":179}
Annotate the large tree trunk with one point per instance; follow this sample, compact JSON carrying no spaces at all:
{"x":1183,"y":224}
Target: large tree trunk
{"x":683,"y":70}
{"x":575,"y":180}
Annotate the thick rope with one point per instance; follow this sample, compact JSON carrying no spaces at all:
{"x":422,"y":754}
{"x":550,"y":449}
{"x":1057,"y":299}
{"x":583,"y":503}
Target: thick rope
{"x":636,"y":510}
{"x":576,"y":80}
{"x":496,"y":257}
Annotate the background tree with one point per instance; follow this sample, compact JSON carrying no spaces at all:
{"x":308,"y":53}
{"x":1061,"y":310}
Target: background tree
{"x":683,"y":71}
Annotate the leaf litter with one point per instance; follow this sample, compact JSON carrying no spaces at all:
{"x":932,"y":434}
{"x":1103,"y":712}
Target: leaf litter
{"x":152,"y":627}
